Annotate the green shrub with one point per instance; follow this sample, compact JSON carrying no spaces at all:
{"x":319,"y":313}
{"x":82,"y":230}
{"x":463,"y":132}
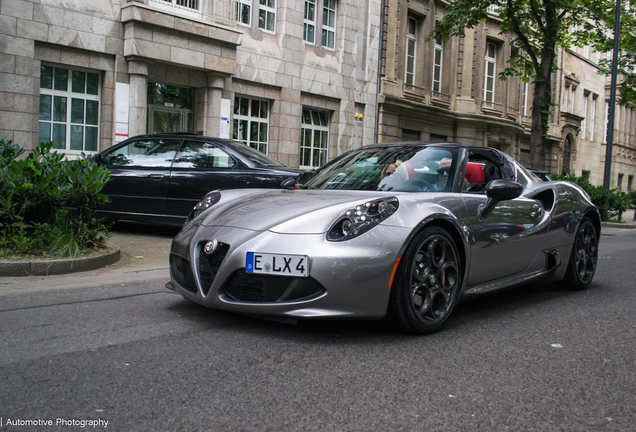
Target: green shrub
{"x":47,"y":203}
{"x":618,"y":201}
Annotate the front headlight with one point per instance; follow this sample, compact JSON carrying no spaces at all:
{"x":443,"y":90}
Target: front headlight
{"x":206,"y":202}
{"x":361,"y":219}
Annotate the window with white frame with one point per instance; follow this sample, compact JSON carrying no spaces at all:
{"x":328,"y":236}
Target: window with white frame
{"x":568,"y":97}
{"x":586,"y":99}
{"x":490,"y":69}
{"x":251,"y":123}
{"x":314,"y":138}
{"x":243,"y":12}
{"x":524,"y":100}
{"x":411,"y":49}
{"x":592,"y":117}
{"x":69,"y":108}
{"x":267,"y":15}
{"x":606,"y":122}
{"x":437,"y":65}
{"x":329,"y":24}
{"x":309,"y":29}
{"x":185,"y":7}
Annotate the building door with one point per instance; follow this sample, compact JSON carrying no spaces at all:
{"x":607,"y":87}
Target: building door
{"x":170,"y":108}
{"x":163,"y":119}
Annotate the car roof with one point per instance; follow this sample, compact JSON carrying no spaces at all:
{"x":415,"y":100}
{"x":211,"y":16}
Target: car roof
{"x":412,"y":144}
{"x":182,"y":135}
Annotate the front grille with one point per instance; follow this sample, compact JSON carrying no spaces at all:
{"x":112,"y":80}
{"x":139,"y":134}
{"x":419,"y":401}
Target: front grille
{"x":209,"y":265}
{"x":182,"y":273}
{"x":259,"y":288}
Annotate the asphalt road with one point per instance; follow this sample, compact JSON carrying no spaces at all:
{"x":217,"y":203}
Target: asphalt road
{"x":124,"y":349}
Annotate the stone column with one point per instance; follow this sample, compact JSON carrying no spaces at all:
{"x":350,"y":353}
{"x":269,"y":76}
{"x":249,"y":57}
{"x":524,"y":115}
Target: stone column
{"x":464,"y":101}
{"x":138,"y":99}
{"x":632,"y":136}
{"x":620,"y":124}
{"x":290,"y":123}
{"x":617,"y":125}
{"x":19,"y":76}
{"x":214,"y":93}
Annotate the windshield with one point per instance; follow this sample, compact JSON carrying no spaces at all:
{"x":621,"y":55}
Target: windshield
{"x":403,"y":169}
{"x":260,"y":159}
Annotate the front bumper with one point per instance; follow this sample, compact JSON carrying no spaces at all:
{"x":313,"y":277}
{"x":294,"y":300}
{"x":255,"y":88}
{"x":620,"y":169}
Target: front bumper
{"x":346,"y":279}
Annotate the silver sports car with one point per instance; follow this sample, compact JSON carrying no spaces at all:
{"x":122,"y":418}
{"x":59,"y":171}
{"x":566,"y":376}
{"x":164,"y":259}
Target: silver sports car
{"x":402,"y":230}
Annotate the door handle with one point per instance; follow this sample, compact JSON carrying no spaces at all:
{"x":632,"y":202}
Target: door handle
{"x":156,"y":176}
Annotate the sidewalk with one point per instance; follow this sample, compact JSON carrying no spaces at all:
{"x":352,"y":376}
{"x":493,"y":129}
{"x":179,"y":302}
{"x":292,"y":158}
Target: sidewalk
{"x":627,"y":221}
{"x":144,"y":257}
{"x":142,"y":246}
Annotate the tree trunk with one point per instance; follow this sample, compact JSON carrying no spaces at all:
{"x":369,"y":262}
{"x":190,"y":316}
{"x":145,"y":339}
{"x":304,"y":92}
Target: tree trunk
{"x":541,"y":103}
{"x":537,"y":131}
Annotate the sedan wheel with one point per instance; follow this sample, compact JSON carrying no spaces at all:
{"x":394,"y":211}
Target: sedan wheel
{"x":427,"y":283}
{"x":584,"y":257}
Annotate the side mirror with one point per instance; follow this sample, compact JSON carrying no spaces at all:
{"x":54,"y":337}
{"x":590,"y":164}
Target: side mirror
{"x":306,"y":176}
{"x":289,"y":183}
{"x":499,"y":190}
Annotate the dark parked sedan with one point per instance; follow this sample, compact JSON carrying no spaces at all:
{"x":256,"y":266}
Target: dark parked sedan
{"x":544,"y":176}
{"x":160,"y":178}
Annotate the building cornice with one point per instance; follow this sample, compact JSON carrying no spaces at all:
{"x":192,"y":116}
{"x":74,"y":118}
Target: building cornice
{"x":468,"y":117}
{"x":139,"y":12}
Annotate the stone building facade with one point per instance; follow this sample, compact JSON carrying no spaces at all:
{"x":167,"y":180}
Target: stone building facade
{"x":583,"y":105}
{"x":296,"y":79}
{"x":450,"y":90}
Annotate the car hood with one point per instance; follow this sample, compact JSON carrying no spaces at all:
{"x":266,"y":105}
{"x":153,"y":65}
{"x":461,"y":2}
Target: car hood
{"x":284,"y":211}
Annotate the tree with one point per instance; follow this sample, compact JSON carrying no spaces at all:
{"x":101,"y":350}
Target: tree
{"x":540,"y":28}
{"x":627,"y":44}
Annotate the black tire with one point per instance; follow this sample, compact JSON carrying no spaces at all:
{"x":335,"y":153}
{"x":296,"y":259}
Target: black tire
{"x":584,"y":257}
{"x":427,"y":283}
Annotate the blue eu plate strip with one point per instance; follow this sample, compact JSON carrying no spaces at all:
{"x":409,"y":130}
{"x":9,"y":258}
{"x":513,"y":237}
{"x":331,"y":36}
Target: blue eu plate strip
{"x":249,"y":262}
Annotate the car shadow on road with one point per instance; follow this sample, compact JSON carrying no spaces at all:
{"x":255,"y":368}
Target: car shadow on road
{"x":470,"y":313}
{"x":272,"y":327}
{"x":528,"y":298}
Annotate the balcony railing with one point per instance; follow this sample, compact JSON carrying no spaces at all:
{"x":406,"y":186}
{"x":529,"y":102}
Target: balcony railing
{"x":442,"y":97}
{"x":414,"y":90}
{"x":526,"y":119}
{"x":513,"y":112}
{"x":492,"y":106}
{"x":492,"y":9}
{"x":190,"y":8}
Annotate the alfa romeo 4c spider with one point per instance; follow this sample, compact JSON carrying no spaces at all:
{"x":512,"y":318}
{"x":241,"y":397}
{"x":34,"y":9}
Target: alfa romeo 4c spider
{"x":402,"y":231}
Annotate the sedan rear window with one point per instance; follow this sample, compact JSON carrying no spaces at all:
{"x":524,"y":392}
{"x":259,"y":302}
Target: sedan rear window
{"x":203,"y":155}
{"x":144,"y":153}
{"x":255,"y":156}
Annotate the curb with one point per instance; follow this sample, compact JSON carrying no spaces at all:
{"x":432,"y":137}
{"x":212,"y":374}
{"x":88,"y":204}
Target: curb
{"x":45,"y":267}
{"x":618,"y":225}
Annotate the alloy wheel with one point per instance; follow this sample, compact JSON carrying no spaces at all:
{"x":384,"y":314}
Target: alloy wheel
{"x":585,"y":253}
{"x":434,"y":279}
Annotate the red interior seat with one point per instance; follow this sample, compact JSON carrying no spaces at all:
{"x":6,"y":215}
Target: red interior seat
{"x":474,"y":173}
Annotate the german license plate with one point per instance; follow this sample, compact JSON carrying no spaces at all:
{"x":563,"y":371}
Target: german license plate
{"x":276,"y":264}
